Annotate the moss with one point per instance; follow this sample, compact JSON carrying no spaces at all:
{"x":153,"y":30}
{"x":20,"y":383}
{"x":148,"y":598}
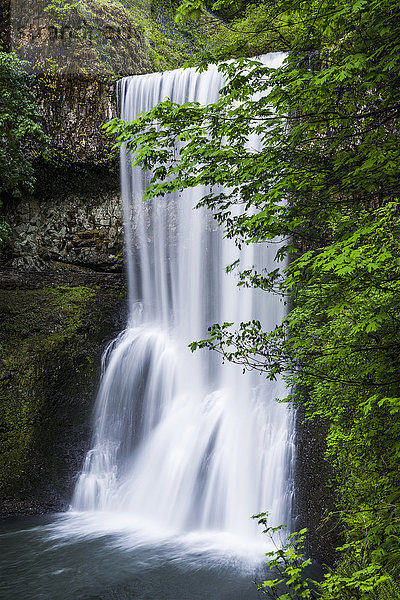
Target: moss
{"x":48,"y":356}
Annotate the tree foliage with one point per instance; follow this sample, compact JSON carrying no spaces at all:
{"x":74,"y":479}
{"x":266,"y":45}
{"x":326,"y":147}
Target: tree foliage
{"x":288,"y":562}
{"x":22,"y":137}
{"x":326,"y":181}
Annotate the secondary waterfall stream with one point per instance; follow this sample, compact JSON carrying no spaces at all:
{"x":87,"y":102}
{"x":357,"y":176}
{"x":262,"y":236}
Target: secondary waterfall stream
{"x":181,"y":441}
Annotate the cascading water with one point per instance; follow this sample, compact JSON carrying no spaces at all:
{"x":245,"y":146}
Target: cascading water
{"x":182,"y":441}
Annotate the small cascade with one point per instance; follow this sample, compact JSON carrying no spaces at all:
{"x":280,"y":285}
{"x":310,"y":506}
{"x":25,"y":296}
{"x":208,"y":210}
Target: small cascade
{"x":182,"y":441}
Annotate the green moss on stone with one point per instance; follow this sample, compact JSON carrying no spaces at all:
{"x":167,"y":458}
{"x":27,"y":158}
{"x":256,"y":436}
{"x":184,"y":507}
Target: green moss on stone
{"x":45,"y":345}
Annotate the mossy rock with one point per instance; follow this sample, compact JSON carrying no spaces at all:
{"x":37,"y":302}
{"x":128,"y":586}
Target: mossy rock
{"x":51,"y":341}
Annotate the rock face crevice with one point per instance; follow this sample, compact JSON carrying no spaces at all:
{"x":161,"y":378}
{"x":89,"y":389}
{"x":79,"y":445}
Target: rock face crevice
{"x":314,"y":494}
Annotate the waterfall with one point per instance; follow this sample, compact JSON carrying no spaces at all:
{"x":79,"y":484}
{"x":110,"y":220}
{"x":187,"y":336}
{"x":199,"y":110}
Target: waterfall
{"x":181,"y":440}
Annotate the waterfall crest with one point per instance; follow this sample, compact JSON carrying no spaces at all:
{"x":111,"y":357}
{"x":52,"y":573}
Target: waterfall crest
{"x":180,"y":440}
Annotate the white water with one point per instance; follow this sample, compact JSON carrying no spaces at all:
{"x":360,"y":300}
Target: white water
{"x":183,"y":443}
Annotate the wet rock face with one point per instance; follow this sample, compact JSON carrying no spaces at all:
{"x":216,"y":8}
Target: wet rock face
{"x":75,"y":227}
{"x":314,"y":490}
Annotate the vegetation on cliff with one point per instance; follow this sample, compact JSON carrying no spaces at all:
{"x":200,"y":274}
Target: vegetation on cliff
{"x":326,"y":182}
{"x":22,"y":137}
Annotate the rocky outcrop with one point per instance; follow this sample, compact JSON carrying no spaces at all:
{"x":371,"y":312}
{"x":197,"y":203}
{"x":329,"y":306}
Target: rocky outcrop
{"x":86,"y":38}
{"x":74,"y":108}
{"x":74,"y":220}
{"x":78,"y":50}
